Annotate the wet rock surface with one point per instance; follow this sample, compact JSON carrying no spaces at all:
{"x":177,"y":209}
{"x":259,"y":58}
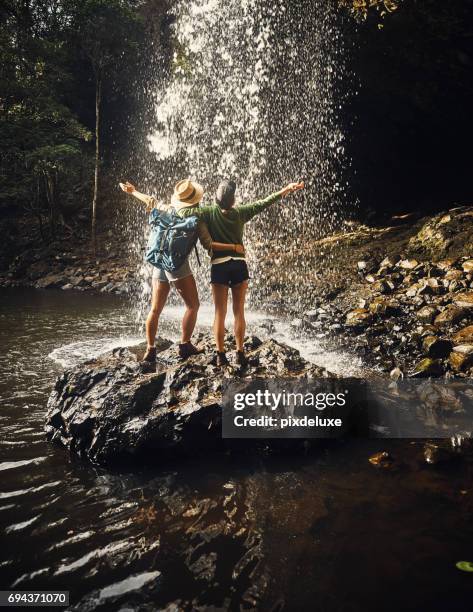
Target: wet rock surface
{"x":70,"y":265}
{"x":410,"y":315}
{"x":380,"y":291}
{"x":445,"y":233}
{"x":110,"y":408}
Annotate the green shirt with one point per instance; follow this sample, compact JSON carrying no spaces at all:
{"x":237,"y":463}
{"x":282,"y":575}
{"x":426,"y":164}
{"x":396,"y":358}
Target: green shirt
{"x":227,"y":225}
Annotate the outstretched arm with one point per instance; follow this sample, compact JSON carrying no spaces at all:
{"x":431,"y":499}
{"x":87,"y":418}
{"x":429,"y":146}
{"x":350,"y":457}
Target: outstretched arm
{"x":146,"y":199}
{"x":248,"y":211}
{"x":291,"y":188}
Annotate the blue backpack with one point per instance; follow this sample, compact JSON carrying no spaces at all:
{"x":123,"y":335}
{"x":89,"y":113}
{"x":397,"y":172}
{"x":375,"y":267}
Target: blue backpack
{"x":172,"y":239}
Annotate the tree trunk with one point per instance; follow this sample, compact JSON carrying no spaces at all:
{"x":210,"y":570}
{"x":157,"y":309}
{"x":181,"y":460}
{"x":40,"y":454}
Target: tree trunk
{"x":98,"y":95}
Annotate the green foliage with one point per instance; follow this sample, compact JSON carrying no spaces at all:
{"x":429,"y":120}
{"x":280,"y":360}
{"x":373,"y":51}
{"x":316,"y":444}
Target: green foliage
{"x":361,"y":9}
{"x":465,"y":566}
{"x":51,"y":54}
{"x":108,"y":32}
{"x":42,"y":143}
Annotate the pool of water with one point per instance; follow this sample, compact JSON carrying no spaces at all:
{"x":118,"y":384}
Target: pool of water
{"x":324,"y":532}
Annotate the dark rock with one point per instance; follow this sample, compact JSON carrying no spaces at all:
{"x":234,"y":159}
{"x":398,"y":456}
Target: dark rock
{"x":77,"y":280}
{"x":431,"y":286}
{"x":383,"y":286}
{"x":38,"y":270}
{"x":359,"y":317}
{"x":99,"y":284}
{"x":445,"y":264}
{"x":461,"y":358}
{"x":381,"y":460}
{"x":428,"y":330}
{"x":386,"y":265}
{"x":414,"y":289}
{"x":427,"y":367}
{"x":453,"y":275}
{"x":108,"y":409}
{"x":408,"y":264}
{"x":464,"y":336}
{"x":464,"y":300}
{"x":446,"y":451}
{"x":438,"y":452}
{"x":452,"y":286}
{"x":367,"y":266}
{"x":427,"y":314}
{"x":442,"y":231}
{"x":437,"y":348}
{"x":383,"y":306}
{"x":450,"y":315}
{"x":51,"y":281}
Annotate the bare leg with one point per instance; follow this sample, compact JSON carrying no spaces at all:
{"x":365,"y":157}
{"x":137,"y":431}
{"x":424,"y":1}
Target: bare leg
{"x":238,"y":297}
{"x":158,"y":301}
{"x":188,"y":291}
{"x":220,"y":296}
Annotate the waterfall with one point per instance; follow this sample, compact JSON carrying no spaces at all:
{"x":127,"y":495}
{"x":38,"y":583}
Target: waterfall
{"x":255,"y":92}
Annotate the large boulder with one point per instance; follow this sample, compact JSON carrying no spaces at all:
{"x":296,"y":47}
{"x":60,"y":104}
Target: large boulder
{"x":109,"y":408}
{"x":447,"y":233}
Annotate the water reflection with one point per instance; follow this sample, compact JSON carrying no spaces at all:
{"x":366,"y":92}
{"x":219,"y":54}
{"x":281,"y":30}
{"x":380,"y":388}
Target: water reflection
{"x":228,"y":532}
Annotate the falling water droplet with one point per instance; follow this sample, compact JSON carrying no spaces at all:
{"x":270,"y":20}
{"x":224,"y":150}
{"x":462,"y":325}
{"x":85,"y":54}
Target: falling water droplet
{"x":256,"y":93}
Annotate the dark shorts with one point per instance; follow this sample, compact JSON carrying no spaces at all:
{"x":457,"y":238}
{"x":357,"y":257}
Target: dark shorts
{"x":229,"y":273}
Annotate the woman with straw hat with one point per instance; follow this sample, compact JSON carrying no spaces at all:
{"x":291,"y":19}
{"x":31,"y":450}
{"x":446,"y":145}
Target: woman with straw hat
{"x":186,"y":197}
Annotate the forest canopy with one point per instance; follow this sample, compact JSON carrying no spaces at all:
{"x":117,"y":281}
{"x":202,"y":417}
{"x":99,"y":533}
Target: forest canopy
{"x":57,"y":57}
{"x":68,"y":97}
{"x":64,"y":65}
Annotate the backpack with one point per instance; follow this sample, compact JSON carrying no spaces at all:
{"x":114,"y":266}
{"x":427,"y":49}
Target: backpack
{"x":172,"y":239}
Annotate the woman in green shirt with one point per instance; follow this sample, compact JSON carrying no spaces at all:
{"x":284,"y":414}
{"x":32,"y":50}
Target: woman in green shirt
{"x":226,"y":223}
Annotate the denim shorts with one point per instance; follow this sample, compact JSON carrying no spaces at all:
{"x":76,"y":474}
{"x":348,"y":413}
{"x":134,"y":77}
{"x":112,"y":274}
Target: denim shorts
{"x":169,"y":277}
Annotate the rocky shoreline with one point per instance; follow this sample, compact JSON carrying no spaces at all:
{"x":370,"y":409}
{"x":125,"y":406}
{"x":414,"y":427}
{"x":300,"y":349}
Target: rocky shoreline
{"x":68,"y":261}
{"x":66,"y":271}
{"x":414,"y":318}
{"x":400,"y":297}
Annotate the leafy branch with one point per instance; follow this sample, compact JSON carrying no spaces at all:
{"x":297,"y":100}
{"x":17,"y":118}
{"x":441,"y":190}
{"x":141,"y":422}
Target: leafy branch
{"x":361,"y":9}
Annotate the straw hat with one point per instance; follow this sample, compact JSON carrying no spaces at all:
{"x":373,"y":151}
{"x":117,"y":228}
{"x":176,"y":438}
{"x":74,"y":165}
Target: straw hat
{"x":187,"y":193}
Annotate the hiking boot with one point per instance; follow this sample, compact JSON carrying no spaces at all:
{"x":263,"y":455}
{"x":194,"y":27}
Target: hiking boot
{"x":222,"y":359}
{"x":148,"y":363}
{"x":187,"y":349}
{"x":149,"y":356}
{"x":241,"y":359}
